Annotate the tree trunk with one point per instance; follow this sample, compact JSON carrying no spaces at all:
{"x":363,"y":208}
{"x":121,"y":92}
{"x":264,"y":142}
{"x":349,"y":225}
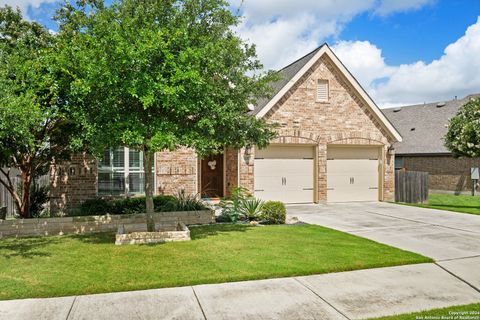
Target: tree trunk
{"x":25,"y":205}
{"x":148,"y":157}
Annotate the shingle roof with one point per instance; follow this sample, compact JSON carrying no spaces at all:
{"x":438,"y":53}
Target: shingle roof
{"x":424,"y":126}
{"x":286,"y":74}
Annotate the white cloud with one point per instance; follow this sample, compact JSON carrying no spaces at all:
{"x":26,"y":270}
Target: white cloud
{"x":24,"y":5}
{"x":284,"y":30}
{"x":453,"y":74}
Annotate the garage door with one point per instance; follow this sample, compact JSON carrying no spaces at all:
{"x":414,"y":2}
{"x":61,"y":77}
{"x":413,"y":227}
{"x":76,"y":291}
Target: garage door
{"x":352,"y":174}
{"x":284,"y":174}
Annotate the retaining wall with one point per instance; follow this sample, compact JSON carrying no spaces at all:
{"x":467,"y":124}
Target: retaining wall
{"x":91,"y":224}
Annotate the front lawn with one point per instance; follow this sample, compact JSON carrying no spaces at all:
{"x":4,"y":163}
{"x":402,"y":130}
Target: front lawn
{"x":450,"y":202}
{"x":85,"y":264}
{"x":469,"y":311}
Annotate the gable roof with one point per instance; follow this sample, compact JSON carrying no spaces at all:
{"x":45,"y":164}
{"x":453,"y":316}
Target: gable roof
{"x":294,"y":72}
{"x":424,"y":126}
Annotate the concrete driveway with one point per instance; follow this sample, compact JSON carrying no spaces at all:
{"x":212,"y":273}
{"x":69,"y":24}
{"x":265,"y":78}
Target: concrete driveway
{"x":452,"y":239}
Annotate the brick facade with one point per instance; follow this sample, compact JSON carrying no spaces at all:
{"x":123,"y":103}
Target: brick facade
{"x":445,"y":172}
{"x":177,"y":171}
{"x":344,"y":119}
{"x":72,"y":182}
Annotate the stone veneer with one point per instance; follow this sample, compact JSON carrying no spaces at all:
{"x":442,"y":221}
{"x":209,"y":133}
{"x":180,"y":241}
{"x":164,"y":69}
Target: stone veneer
{"x":177,"y":171}
{"x":344,"y":120}
{"x":107,"y":223}
{"x":179,"y":232}
{"x":446,"y":173}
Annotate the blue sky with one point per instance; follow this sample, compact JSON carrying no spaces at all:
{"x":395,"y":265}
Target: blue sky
{"x":401,"y":51}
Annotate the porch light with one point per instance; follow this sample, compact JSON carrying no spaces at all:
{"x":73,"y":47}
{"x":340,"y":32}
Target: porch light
{"x":391,"y":150}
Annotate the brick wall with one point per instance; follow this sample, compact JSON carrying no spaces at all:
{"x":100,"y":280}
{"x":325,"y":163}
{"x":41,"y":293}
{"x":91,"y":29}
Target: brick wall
{"x":445,"y":172}
{"x":72,"y":182}
{"x":344,"y":119}
{"x":177,"y":171}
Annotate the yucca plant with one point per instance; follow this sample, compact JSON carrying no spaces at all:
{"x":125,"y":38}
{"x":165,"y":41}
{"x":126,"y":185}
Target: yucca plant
{"x":251,"y":208}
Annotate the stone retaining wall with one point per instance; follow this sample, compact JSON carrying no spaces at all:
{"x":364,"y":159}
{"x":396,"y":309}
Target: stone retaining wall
{"x":91,"y":224}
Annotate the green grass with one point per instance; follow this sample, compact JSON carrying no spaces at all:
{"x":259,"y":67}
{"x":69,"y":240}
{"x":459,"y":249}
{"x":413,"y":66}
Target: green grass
{"x":472,"y":310}
{"x":450,"y":202}
{"x":85,"y":264}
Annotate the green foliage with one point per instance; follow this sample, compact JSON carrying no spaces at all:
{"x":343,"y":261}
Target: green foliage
{"x":251,"y":209}
{"x":102,"y":206}
{"x":38,"y":199}
{"x":185,"y":202}
{"x":35,"y":123}
{"x":230,"y":206}
{"x":274,"y":212}
{"x":463,"y":136}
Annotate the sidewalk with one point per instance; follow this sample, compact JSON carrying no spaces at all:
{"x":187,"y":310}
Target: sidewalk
{"x":347,"y":295}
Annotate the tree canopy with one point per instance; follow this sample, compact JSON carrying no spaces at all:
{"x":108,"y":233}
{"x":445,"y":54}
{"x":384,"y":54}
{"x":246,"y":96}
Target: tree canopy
{"x":35,"y":127}
{"x":463,"y":136}
{"x":157,"y":75}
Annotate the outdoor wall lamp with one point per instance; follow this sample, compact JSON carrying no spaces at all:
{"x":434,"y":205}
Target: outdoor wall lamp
{"x":391,"y":150}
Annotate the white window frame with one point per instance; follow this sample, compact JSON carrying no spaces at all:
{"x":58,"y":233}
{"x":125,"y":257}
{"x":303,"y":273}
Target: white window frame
{"x":327,"y":84}
{"x":126,"y":172}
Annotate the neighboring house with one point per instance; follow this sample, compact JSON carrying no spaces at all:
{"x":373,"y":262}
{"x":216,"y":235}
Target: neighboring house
{"x":334,"y":144}
{"x":423,"y":128}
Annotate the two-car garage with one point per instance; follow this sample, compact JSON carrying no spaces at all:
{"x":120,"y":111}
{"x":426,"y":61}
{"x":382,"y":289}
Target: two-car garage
{"x":287,"y":173}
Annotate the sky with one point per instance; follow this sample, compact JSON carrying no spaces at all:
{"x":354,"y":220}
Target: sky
{"x":401,"y":51}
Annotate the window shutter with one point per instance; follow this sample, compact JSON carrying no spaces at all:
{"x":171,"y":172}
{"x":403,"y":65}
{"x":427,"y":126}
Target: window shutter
{"x":322,"y":90}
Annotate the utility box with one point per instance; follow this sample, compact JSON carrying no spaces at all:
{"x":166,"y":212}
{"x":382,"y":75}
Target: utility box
{"x":474,"y":173}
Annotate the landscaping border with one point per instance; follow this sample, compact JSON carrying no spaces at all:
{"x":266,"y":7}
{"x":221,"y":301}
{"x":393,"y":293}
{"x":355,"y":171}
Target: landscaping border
{"x":92,"y":224}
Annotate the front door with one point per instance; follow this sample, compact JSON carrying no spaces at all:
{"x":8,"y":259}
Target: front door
{"x":212,"y":176}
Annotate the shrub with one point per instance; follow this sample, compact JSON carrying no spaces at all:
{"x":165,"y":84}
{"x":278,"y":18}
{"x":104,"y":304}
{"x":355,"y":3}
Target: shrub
{"x":251,"y":209}
{"x":231,"y":211}
{"x":97,"y":206}
{"x":38,"y":199}
{"x":273,"y":212}
{"x":101,"y":206}
{"x":185,"y":202}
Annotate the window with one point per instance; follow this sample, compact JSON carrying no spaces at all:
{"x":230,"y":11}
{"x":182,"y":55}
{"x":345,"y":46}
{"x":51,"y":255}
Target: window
{"x":322,"y":90}
{"x":120,"y":172}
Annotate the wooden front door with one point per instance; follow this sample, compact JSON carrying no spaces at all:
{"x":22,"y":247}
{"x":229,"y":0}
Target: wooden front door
{"x":212,"y":176}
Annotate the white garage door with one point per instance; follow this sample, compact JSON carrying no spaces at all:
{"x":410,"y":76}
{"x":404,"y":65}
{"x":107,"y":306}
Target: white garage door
{"x":284,"y":174}
{"x":352,"y":174}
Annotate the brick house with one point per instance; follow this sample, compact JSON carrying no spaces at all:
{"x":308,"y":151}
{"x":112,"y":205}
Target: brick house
{"x":333,"y":144}
{"x":423,"y":128}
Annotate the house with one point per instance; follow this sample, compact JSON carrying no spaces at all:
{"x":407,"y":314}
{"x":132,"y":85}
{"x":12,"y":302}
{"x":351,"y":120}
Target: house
{"x":334,"y":144}
{"x":423,"y":128}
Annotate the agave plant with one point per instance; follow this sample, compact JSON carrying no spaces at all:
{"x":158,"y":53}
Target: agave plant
{"x":251,"y":208}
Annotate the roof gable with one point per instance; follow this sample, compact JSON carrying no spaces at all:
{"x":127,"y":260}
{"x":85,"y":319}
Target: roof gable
{"x":294,"y":72}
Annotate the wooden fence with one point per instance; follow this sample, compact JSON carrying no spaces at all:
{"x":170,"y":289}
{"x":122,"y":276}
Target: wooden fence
{"x":411,"y":186}
{"x":6,"y":199}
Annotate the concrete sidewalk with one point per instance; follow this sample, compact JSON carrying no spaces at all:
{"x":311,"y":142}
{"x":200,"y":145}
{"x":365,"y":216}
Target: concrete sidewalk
{"x":347,"y":295}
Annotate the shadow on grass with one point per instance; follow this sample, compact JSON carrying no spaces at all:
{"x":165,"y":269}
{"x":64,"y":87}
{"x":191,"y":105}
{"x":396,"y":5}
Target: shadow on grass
{"x":95,"y":238}
{"x":26,"y":247}
{"x":203,"y":232}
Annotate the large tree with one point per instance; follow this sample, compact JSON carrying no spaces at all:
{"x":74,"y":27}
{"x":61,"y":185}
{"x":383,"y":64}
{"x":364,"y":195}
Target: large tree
{"x":156,"y":75}
{"x":463,"y":136}
{"x":34,"y":125}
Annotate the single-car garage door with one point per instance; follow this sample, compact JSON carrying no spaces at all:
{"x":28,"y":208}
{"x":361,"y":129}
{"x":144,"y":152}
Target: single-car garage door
{"x":284,"y":173}
{"x":352,"y":174}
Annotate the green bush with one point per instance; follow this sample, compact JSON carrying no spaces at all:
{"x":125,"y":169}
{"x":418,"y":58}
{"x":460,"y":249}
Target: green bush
{"x":101,"y":206}
{"x":273,"y":212}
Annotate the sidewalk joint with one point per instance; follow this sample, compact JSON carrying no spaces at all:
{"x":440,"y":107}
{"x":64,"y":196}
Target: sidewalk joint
{"x":199,"y":304}
{"x":331,"y":305}
{"x":71,"y":307}
{"x":453,"y":274}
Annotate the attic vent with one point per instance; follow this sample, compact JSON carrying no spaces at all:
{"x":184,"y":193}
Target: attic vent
{"x":441,"y":104}
{"x":397,"y":110}
{"x":413,"y":129}
{"x":322,"y":90}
